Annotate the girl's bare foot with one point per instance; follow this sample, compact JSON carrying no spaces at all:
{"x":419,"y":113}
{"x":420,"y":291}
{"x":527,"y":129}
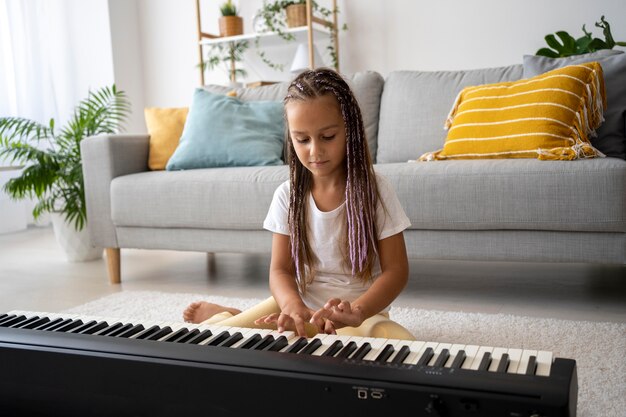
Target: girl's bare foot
{"x":199,"y":311}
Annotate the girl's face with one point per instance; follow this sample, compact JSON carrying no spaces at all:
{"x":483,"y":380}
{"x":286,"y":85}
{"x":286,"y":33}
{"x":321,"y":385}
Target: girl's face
{"x":318,"y":134}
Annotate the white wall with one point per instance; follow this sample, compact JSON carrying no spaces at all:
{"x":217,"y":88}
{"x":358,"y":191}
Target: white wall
{"x":383,"y":36}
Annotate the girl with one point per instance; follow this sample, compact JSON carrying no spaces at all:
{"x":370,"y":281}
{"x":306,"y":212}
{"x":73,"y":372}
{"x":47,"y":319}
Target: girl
{"x":338,"y":253}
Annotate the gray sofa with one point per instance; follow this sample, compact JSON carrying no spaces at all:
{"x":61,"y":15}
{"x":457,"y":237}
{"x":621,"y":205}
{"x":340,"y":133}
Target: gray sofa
{"x":488,"y":210}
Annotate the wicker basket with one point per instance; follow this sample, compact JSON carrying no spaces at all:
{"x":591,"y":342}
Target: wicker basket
{"x":231,"y":25}
{"x":296,"y":15}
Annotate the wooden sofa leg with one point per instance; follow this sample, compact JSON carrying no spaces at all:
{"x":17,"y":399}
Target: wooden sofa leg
{"x":113,"y":265}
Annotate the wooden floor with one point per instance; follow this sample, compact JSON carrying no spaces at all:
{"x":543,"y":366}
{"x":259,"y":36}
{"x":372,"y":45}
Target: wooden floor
{"x":34,"y":275}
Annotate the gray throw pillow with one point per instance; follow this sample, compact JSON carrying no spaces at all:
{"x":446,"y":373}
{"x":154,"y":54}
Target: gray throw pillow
{"x":611,"y":139}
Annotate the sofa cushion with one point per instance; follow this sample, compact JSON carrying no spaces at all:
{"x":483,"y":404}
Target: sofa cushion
{"x":549,"y":116}
{"x":223,"y":131}
{"x":414,"y":106}
{"x":165,"y":126}
{"x":512,"y":194}
{"x":611,"y":138}
{"x":367,"y":87}
{"x":215,"y":198}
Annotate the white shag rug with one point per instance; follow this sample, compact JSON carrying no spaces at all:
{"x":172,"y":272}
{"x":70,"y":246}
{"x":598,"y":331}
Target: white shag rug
{"x":599,"y":348}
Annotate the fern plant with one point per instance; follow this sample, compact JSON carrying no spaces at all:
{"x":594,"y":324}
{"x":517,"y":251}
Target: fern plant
{"x":53,"y":173}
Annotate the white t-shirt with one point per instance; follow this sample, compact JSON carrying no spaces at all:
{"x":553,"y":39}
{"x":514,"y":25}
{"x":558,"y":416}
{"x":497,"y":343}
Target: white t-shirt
{"x":333,"y":276}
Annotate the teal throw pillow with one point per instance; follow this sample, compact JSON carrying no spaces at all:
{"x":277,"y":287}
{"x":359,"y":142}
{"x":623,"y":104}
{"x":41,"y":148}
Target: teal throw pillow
{"x":223,"y":131}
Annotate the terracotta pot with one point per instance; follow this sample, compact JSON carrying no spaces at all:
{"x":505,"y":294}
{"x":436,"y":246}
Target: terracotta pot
{"x":231,"y":25}
{"x":296,"y":15}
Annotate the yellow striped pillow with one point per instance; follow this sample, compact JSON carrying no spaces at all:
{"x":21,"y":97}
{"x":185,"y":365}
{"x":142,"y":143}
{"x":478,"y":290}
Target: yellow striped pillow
{"x":549,"y":116}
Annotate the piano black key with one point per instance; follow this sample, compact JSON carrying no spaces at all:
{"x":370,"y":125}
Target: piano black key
{"x":150,"y":330}
{"x":216,"y":340}
{"x":532,"y":365}
{"x":333,"y":348}
{"x":347,"y":350}
{"x":13,"y":320}
{"x":69,"y":326}
{"x":107,"y":330}
{"x":132,"y":331}
{"x":485,"y":362}
{"x":176,"y":335}
{"x":362,"y":351}
{"x":36,"y":323}
{"x":82,"y":327}
{"x":442,"y":358}
{"x":62,"y":323}
{"x":120,"y":330}
{"x":426,"y":357}
{"x":261,"y":344}
{"x":251,"y":341}
{"x":401,"y":355}
{"x":21,"y":324}
{"x":47,"y":325}
{"x":199,"y":338}
{"x":160,"y":333}
{"x":459,"y":359}
{"x":279,"y":343}
{"x":6,"y":319}
{"x":311,"y":347}
{"x":504,"y":363}
{"x":94,"y":328}
{"x":385,"y":354}
{"x":186,"y":338}
{"x":231,"y":340}
{"x":297,"y":345}
{"x":2,"y":316}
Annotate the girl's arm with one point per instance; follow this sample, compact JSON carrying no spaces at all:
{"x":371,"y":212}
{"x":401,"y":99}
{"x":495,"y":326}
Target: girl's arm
{"x":284,"y":288}
{"x":390,"y":283}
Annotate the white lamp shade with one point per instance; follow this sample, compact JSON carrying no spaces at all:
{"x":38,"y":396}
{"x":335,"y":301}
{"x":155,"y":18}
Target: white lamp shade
{"x":301,"y":59}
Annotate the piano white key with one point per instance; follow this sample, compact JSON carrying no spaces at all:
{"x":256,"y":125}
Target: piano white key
{"x":328,"y":340}
{"x":496,"y":356}
{"x":397,"y":347}
{"x":523,"y":363}
{"x":246,"y":333}
{"x":423,"y":348}
{"x":437,"y":352}
{"x":515,"y":355}
{"x":544,"y":363}
{"x":454,"y":350}
{"x":376,"y":344}
{"x":413,"y":357}
{"x":470,"y":352}
{"x":479,"y":356}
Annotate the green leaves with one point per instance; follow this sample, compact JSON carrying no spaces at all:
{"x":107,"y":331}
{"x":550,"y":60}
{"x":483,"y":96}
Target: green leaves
{"x":225,"y":54}
{"x":566,"y":45}
{"x":53,"y":173}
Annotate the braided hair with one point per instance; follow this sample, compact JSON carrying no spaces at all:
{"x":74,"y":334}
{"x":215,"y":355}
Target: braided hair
{"x":361,"y":195}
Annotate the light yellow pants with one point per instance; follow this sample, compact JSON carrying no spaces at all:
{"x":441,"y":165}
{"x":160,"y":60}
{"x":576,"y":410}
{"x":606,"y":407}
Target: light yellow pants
{"x":379,"y":325}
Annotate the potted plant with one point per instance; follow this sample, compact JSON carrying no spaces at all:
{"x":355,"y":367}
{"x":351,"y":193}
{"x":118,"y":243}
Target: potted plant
{"x":585,"y":44}
{"x":230,"y":24}
{"x":226,"y":55}
{"x":279,"y":15}
{"x":53,"y":172}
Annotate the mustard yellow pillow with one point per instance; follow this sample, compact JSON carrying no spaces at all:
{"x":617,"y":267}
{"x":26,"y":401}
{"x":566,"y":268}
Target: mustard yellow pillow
{"x":549,"y":116}
{"x":165,"y":126}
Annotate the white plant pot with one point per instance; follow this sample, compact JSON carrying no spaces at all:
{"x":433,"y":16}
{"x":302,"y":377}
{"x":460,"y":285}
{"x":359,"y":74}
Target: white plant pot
{"x":75,"y":244}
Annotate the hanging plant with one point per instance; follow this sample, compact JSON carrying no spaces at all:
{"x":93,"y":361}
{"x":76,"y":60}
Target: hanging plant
{"x":274,"y":17}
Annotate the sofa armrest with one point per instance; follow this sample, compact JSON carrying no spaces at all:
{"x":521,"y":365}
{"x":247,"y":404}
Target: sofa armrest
{"x":106,"y":157}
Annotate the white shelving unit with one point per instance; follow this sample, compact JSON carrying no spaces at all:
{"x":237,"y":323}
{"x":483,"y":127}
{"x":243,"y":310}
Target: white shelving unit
{"x":304,"y":34}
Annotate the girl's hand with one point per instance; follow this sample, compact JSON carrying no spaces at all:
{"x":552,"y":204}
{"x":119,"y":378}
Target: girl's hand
{"x":292,"y":317}
{"x":339,"y":313}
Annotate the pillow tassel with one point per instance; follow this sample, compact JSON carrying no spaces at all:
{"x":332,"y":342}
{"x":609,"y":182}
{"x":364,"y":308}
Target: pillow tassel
{"x":453,"y":110}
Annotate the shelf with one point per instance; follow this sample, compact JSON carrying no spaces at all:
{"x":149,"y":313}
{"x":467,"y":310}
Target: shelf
{"x":268,"y":39}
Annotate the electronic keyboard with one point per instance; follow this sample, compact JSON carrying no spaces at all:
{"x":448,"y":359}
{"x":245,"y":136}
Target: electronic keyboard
{"x":75,"y":365}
